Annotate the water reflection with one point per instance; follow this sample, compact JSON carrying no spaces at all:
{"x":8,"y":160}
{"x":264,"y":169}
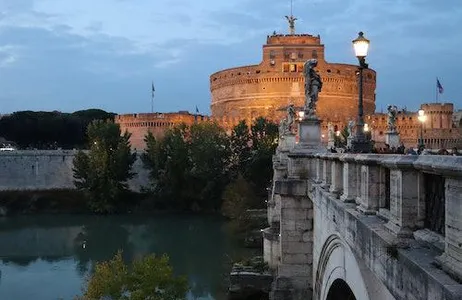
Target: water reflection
{"x":59,"y":251}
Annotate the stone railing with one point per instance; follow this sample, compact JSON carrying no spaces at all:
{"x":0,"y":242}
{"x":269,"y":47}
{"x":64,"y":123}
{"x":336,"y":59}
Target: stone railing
{"x":413,"y":194}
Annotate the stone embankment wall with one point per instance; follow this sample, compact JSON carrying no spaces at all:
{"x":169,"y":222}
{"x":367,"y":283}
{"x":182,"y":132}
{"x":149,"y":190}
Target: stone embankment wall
{"x":49,"y":169}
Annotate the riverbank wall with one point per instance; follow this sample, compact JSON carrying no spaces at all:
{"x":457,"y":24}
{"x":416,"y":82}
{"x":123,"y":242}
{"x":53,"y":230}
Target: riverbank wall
{"x":37,"y":170}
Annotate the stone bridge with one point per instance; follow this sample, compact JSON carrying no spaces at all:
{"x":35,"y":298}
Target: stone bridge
{"x":364,"y":226}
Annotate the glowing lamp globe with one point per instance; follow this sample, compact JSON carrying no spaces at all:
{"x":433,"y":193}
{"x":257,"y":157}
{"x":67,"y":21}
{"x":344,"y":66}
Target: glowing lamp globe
{"x":361,"y":45}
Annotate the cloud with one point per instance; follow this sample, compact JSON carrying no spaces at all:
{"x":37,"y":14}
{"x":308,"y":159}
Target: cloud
{"x":77,"y":54}
{"x":8,"y":55}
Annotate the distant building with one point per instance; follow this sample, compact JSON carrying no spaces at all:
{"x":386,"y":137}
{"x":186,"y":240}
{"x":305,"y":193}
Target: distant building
{"x":157,"y":123}
{"x":438,"y":131}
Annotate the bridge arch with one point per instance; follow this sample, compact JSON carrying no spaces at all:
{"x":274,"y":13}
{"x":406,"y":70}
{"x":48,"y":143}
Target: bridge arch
{"x":339,"y":290}
{"x":340,"y":272}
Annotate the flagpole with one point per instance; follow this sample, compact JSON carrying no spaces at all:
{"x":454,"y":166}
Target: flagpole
{"x":152,"y":97}
{"x":436,"y":90}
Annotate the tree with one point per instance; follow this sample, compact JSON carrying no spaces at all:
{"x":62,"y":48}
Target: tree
{"x":49,"y":130}
{"x":260,"y":168}
{"x":103,"y":172}
{"x":148,"y":278}
{"x":189,"y":166}
{"x":241,"y":150}
{"x":209,"y":153}
{"x":340,"y":141}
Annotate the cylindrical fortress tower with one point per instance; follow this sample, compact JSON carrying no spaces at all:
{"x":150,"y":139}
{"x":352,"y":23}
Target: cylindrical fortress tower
{"x":245,"y":93}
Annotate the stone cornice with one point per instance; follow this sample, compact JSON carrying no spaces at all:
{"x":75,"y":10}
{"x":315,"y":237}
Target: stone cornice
{"x":399,"y":161}
{"x":440,"y":164}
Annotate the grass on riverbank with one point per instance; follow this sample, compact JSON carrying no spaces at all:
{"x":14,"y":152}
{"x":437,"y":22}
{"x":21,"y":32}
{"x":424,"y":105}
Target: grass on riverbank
{"x":63,"y":201}
{"x":49,"y":201}
{"x":72,"y":201}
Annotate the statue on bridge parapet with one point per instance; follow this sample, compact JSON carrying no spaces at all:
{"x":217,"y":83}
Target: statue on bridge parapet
{"x":392,"y":112}
{"x":351,"y":126}
{"x":392,"y":136}
{"x":330,"y":135}
{"x":286,"y":126}
{"x":313,"y":86}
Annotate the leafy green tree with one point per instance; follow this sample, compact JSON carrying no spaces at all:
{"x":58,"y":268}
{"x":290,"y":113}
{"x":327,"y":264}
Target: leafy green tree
{"x":260,"y":168}
{"x":103,"y":172}
{"x":209,"y":154}
{"x":189,"y":166}
{"x":49,"y":130}
{"x":154,"y":158}
{"x":340,"y":141}
{"x":241,"y":150}
{"x":148,"y":278}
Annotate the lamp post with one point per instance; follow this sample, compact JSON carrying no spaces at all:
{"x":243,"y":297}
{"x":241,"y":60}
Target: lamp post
{"x":360,"y":142}
{"x":422,"y":118}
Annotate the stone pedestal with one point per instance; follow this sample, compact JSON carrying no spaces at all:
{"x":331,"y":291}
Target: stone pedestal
{"x":309,"y":131}
{"x":286,"y":142}
{"x":392,"y":139}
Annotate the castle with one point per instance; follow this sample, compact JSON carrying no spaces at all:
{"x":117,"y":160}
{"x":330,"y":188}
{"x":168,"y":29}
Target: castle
{"x":266,"y":89}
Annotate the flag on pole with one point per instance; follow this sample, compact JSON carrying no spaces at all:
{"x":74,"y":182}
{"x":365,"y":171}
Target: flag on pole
{"x":439,"y":86}
{"x":197,"y":110}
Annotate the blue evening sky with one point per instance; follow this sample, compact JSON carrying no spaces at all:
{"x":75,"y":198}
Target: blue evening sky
{"x":69,"y":55}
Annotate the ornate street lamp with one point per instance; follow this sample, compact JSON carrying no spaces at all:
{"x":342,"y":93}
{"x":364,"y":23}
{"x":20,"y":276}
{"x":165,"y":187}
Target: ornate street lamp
{"x":360,"y":142}
{"x":422,"y":118}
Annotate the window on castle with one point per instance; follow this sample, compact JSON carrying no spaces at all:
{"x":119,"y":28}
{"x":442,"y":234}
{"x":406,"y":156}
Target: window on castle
{"x":285,"y":68}
{"x":286,"y":55}
{"x":300,"y":54}
{"x":314,"y":54}
{"x":293,"y":68}
{"x":272,"y":54}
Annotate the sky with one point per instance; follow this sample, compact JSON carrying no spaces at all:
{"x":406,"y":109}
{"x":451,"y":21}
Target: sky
{"x":69,"y":55}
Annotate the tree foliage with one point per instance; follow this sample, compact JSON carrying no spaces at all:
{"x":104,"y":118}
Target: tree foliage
{"x":191,"y":166}
{"x":102,"y":173}
{"x":340,"y":141}
{"x":148,"y":278}
{"x":50,"y":130}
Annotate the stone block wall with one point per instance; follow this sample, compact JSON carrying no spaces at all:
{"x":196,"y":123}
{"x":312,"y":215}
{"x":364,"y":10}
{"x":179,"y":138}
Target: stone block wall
{"x":49,"y":169}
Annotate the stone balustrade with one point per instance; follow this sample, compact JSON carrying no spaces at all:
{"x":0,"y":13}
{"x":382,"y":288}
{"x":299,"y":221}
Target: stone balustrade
{"x":392,"y":187}
{"x":376,"y":203}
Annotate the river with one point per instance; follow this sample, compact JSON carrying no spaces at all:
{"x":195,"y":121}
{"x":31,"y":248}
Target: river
{"x":49,"y":257}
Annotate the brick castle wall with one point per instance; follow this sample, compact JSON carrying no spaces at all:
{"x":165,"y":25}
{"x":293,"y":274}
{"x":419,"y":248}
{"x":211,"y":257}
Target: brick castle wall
{"x":140,"y":124}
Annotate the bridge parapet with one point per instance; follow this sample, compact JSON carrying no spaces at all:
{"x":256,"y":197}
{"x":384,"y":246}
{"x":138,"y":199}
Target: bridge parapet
{"x":378,"y":205}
